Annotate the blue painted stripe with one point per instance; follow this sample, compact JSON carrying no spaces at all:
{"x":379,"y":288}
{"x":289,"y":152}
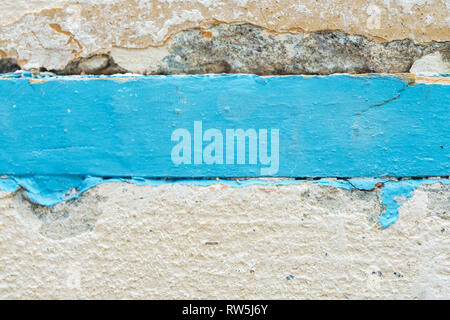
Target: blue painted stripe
{"x":341,"y":125}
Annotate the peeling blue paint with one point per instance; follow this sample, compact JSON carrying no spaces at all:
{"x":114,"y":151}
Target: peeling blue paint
{"x":392,"y":190}
{"x":330,"y":126}
{"x":8,"y":184}
{"x":60,"y":136}
{"x":50,"y":190}
{"x":389,"y":193}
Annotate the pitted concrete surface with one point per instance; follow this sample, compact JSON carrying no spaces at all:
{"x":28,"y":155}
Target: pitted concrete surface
{"x":244,"y":48}
{"x":258,"y":242}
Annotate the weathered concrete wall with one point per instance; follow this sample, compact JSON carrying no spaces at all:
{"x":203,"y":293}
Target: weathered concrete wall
{"x":302,"y":240}
{"x":258,"y":242}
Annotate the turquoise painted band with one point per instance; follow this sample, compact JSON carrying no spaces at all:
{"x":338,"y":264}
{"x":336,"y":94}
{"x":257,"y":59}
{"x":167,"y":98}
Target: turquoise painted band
{"x":188,"y":126}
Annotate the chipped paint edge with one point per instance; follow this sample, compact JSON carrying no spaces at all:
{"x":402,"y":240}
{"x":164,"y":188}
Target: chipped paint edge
{"x":412,"y":78}
{"x":51,"y":190}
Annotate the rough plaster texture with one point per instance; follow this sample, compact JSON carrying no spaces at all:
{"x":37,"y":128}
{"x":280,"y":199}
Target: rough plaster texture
{"x":298,"y":241}
{"x":119,"y":240}
{"x":51,"y":34}
{"x":245,"y":48}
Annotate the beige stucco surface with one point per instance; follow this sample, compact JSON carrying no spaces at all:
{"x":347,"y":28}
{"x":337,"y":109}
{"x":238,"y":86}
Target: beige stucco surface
{"x":49,"y":34}
{"x":121,"y":241}
{"x":298,"y":241}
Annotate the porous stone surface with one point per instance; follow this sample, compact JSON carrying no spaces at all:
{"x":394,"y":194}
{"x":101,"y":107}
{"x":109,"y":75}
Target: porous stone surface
{"x":51,"y":34}
{"x":433,"y":63}
{"x":245,"y":48}
{"x":257,"y":242}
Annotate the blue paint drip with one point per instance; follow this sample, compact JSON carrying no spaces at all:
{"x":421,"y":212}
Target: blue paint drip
{"x":394,"y":189}
{"x":389,"y":193}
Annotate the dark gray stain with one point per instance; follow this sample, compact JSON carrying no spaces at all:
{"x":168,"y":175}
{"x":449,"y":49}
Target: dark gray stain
{"x":8,"y":65}
{"x":245,"y":48}
{"x":101,"y":64}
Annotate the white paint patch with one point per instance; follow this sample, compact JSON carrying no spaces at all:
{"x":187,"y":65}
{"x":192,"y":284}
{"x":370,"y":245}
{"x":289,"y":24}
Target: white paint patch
{"x":431,"y":64}
{"x":139,"y":60}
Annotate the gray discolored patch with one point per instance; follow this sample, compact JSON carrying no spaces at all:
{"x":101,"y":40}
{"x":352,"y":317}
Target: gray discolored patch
{"x":100,"y":64}
{"x":245,"y":48}
{"x":63,"y":220}
{"x":438,"y":200}
{"x":8,"y":65}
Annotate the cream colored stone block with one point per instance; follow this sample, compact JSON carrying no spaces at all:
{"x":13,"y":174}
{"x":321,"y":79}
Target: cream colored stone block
{"x":258,"y":242}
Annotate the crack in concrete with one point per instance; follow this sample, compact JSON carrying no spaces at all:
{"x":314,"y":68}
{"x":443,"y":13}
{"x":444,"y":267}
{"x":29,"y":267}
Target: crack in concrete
{"x":396,"y":97}
{"x":71,"y":36}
